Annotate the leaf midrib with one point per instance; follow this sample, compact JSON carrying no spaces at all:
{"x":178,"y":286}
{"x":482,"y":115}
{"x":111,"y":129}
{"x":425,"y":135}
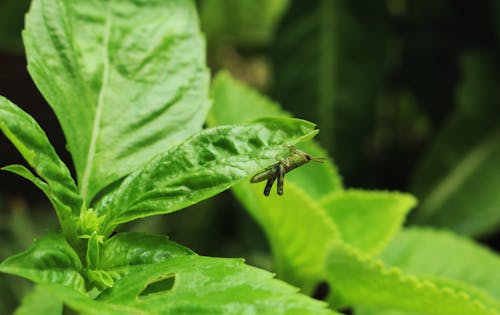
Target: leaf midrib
{"x":84,"y":187}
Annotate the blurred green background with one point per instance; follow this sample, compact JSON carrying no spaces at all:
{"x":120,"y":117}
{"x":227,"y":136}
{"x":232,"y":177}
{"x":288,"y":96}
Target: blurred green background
{"x":406,"y":94}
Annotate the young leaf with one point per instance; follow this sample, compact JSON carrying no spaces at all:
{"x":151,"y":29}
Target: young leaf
{"x":430,"y":252}
{"x":359,"y":280}
{"x":368,"y":220}
{"x":234,"y":103}
{"x":49,"y":260}
{"x":133,"y":249}
{"x":29,"y":138}
{"x":204,"y":165}
{"x":126,"y":80}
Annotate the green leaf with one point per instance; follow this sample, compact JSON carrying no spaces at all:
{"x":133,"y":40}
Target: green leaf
{"x":458,"y":177}
{"x":49,"y":260}
{"x":361,"y":281}
{"x":204,"y":165}
{"x":429,"y":252}
{"x":209,"y":285}
{"x":92,"y":257}
{"x":114,"y":259}
{"x":299,"y":253}
{"x":80,"y":302}
{"x":245,"y":22}
{"x":133,"y":249}
{"x":196,"y":285}
{"x":368,"y":220}
{"x":328,"y":61}
{"x":40,"y":301}
{"x":126,"y":80}
{"x":30,"y":140}
{"x":298,"y":229}
{"x":234,"y":103}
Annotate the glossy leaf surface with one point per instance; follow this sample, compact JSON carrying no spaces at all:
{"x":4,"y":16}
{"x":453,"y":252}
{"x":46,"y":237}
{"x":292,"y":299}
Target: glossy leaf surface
{"x":30,"y":140}
{"x":202,"y":166}
{"x":49,"y":260}
{"x":196,"y":285}
{"x":131,"y":80}
{"x":132,"y":249}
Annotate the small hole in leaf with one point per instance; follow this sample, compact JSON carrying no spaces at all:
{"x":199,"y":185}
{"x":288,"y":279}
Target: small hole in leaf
{"x":161,"y":284}
{"x":321,"y":291}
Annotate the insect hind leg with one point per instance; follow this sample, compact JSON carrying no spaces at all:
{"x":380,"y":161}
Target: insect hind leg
{"x":281,"y":178}
{"x":269,"y":185}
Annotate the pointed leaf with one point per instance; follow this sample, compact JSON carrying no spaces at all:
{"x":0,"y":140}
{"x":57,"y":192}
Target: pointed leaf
{"x":234,"y":103}
{"x":368,"y":220}
{"x":29,"y":138}
{"x":359,"y":280}
{"x":92,"y":257}
{"x":49,"y":260}
{"x":126,"y":80}
{"x":204,"y":165}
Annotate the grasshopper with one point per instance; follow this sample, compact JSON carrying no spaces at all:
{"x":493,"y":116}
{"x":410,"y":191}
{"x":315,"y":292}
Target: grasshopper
{"x":278,"y":170}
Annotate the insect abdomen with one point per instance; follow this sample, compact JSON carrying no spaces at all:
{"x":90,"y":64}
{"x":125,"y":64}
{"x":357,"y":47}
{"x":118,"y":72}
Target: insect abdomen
{"x":264,"y":175}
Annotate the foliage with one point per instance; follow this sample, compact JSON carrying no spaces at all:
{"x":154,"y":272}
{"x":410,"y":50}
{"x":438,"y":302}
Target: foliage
{"x":131,"y":111}
{"x":129,"y":85}
{"x":347,"y":229}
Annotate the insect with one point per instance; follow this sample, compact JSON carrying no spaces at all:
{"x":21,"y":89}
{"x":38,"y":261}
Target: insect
{"x":278,"y":170}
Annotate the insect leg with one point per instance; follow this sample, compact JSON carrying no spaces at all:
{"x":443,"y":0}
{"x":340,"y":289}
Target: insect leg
{"x":269,"y":185}
{"x":281,"y":178}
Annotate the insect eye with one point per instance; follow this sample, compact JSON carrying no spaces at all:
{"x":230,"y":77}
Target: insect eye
{"x":308,"y":157}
